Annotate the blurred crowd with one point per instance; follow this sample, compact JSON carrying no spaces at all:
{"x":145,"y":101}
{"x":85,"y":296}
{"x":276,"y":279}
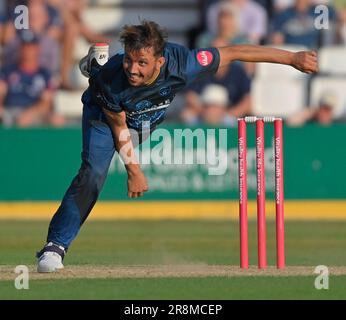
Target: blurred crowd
{"x":222,"y":98}
{"x":37,"y":62}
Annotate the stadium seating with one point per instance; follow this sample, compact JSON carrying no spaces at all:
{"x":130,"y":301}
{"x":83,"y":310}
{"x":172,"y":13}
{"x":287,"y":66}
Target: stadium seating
{"x":278,"y":96}
{"x":77,"y":78}
{"x":69,"y":104}
{"x":279,"y":90}
{"x":332,"y":60}
{"x":103,"y":19}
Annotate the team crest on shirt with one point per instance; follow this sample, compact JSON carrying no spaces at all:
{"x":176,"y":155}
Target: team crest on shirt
{"x":144,"y":104}
{"x":204,"y":58}
{"x":165,"y":91}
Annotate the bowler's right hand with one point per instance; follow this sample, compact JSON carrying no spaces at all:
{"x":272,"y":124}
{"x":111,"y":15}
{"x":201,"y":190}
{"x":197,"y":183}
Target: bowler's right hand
{"x":305,"y":61}
{"x":136,"y":183}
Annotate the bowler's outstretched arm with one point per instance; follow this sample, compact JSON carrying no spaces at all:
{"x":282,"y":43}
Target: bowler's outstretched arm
{"x":305,"y":61}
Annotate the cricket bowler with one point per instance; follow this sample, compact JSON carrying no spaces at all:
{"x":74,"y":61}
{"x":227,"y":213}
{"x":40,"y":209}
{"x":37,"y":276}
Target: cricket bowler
{"x":132,"y":90}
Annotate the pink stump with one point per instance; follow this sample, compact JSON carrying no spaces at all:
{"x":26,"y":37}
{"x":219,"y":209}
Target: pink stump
{"x":243,"y":222}
{"x":279,"y":195}
{"x":261,"y":195}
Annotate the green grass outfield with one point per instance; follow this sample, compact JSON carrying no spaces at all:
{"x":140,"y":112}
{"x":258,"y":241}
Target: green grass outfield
{"x":198,"y":244}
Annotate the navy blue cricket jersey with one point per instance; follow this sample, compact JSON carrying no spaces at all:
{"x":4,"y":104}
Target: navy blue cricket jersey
{"x":109,"y":87}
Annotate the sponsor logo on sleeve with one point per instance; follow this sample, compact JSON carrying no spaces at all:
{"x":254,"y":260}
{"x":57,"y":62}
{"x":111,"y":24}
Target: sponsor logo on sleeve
{"x":204,"y":58}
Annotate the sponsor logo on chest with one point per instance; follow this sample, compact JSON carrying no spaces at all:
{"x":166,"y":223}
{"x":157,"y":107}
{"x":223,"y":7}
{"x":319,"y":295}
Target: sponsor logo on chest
{"x":145,"y":106}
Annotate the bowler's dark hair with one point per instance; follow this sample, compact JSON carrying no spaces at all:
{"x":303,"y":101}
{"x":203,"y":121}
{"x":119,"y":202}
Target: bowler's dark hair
{"x":148,"y":34}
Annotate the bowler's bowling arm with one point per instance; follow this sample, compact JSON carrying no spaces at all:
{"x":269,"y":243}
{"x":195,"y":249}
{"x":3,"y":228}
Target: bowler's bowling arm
{"x":305,"y":61}
{"x":122,"y":139}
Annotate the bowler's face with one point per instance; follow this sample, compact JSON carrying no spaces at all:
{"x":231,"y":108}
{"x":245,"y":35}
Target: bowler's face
{"x":141,"y":66}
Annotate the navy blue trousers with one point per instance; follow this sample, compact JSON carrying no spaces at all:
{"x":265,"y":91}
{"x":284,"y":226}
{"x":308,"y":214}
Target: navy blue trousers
{"x":82,"y":194}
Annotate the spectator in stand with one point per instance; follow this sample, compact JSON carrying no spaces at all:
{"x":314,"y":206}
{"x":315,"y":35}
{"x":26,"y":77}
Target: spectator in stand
{"x":47,"y":30}
{"x":71,"y":12}
{"x":295,"y":25}
{"x":237,"y":84}
{"x":252,"y":19}
{"x":214,"y":101}
{"x":322,"y":114}
{"x":51,"y":19}
{"x":26,"y":89}
{"x":59,"y":23}
{"x":227,"y":32}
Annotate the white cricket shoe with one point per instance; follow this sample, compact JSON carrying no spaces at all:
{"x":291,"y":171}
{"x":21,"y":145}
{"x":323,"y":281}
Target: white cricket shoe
{"x":99,"y":52}
{"x":50,"y":258}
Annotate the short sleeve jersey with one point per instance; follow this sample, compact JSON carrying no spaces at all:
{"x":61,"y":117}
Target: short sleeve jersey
{"x":146,"y":106}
